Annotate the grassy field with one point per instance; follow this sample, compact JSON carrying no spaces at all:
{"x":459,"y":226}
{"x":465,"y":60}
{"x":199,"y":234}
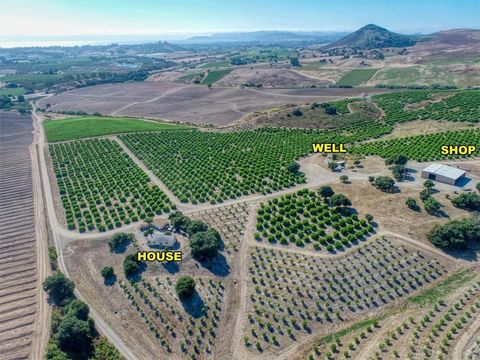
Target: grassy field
{"x":398,"y":76}
{"x":12,"y":91}
{"x":356,"y":77}
{"x":189,"y":76}
{"x":214,"y":76}
{"x":432,"y":295}
{"x":460,"y":74}
{"x":215,"y":64}
{"x":90,"y":126}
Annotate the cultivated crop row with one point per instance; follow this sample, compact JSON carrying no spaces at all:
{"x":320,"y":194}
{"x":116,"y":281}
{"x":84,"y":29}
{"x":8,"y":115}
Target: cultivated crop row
{"x":432,"y":335}
{"x":18,"y":266}
{"x":229,"y":220}
{"x":101,"y":187}
{"x":292,"y":295}
{"x":304,"y":218}
{"x":189,"y":331}
{"x":211,"y":166}
{"x":421,"y":147}
{"x":400,"y":107}
{"x":423,"y":336}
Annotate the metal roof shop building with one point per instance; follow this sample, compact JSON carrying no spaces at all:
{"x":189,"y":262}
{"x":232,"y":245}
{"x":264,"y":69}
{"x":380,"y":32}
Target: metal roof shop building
{"x":443,"y":173}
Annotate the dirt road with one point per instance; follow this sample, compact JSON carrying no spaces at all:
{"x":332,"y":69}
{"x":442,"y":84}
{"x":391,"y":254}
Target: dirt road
{"x":42,"y":323}
{"x":57,"y":230}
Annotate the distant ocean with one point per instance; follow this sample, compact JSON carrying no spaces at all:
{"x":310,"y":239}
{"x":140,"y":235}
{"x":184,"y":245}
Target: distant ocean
{"x":27,"y":41}
{"x":43,"y":43}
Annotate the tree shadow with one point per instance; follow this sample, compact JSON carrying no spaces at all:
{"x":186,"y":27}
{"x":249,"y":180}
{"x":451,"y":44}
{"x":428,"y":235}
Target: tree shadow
{"x":171,"y":266}
{"x":194,"y":306}
{"x":439,"y":214}
{"x":121,"y":248}
{"x":110,"y":281}
{"x":217,"y":266}
{"x":469,"y":254}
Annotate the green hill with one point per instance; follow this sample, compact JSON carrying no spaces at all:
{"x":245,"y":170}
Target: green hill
{"x":373,"y":37}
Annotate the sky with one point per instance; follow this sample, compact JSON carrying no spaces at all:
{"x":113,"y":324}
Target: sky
{"x":80,"y":19}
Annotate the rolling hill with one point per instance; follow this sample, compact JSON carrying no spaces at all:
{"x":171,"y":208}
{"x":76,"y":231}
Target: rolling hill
{"x":373,"y":37}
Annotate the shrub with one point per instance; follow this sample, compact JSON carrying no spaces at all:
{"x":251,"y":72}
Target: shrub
{"x":103,"y":350}
{"x":467,"y":201}
{"x":78,"y":309}
{"x":59,"y":288}
{"x":297,"y":112}
{"x":107,"y":272}
{"x":397,"y":159}
{"x":344,"y":178}
{"x":384,"y":183}
{"x":456,"y":234}
{"x":325,"y":191}
{"x":205,"y":244}
{"x":293,"y":167}
{"x":431,"y":205}
{"x":119,"y":240}
{"x":130,"y":265}
{"x":179,"y":221}
{"x":196,"y":226}
{"x":185,"y":287}
{"x":411,"y":203}
{"x":74,"y":333}
{"x":340,"y":200}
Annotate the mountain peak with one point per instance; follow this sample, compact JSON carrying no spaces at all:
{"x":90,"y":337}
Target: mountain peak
{"x":372,"y":36}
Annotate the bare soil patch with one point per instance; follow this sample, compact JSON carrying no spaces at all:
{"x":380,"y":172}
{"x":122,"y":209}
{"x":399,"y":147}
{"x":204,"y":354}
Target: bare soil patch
{"x":423,"y":127}
{"x":188,"y":103}
{"x":18,"y":265}
{"x":390,"y":211}
{"x":269,"y":78}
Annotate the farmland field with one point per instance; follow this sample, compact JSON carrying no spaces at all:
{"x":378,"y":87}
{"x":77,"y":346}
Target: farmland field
{"x":12,"y":91}
{"x":460,"y":73}
{"x":214,"y":75}
{"x":90,"y":126}
{"x":292,"y":295}
{"x":189,"y":76}
{"x":208,"y":166}
{"x":304,"y":218}
{"x":187,"y":103}
{"x":356,"y":77}
{"x":94,"y":190}
{"x":270,"y":78}
{"x":216,"y":64}
{"x":430,"y":105}
{"x":421,"y":147}
{"x":224,"y":165}
{"x":431,"y":329}
{"x":18,"y":265}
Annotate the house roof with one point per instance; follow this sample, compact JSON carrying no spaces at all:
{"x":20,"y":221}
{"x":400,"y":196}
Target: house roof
{"x":157,"y":238}
{"x":445,"y":170}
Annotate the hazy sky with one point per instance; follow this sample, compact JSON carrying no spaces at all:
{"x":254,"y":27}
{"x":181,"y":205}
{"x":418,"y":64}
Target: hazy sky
{"x":141,"y":17}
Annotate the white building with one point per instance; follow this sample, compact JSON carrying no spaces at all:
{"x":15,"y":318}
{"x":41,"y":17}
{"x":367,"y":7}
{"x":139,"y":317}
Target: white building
{"x":443,"y":173}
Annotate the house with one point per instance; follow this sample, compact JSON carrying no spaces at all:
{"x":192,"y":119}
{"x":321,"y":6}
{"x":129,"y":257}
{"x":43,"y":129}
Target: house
{"x":443,"y":173}
{"x":160,"y":240}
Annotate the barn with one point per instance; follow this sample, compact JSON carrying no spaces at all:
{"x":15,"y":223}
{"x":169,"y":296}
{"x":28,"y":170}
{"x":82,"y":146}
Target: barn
{"x":443,"y":173}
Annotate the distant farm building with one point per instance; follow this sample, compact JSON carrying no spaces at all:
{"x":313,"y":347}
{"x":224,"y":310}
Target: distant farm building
{"x":443,"y":173}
